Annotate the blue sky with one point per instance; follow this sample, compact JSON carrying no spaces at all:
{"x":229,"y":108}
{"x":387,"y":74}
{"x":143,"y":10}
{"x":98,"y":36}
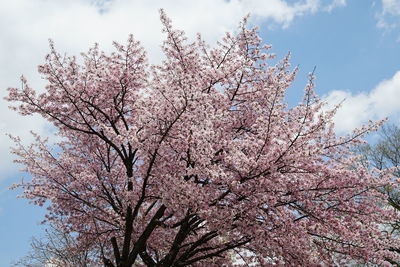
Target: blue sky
{"x":354,"y":44}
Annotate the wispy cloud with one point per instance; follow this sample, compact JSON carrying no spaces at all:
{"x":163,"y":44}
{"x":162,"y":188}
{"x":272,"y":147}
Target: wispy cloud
{"x":391,"y":7}
{"x":356,"y":109}
{"x":388,"y":18}
{"x":335,"y":4}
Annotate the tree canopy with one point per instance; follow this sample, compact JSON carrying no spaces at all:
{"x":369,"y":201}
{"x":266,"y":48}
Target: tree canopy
{"x":385,"y":155}
{"x":56,"y":248}
{"x":199,"y":161}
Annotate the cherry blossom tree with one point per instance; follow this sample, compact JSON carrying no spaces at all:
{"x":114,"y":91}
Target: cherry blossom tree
{"x":199,"y":161}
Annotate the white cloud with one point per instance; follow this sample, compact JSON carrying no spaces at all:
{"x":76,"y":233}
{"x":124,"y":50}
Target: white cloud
{"x":74,"y":25}
{"x":356,"y":109}
{"x":277,"y":10}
